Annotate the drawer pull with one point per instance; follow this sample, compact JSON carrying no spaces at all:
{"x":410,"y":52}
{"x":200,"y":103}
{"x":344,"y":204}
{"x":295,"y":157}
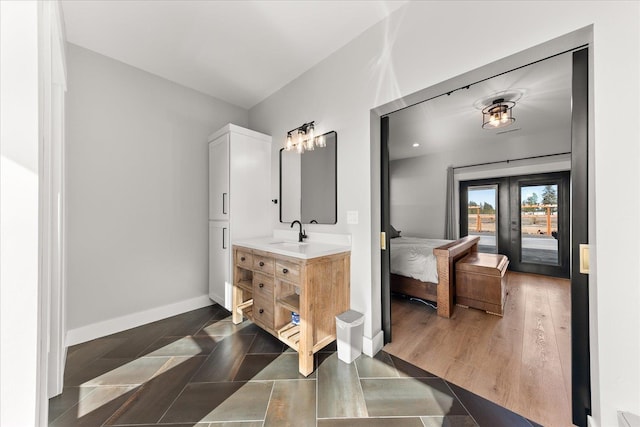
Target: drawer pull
{"x":242,"y":258}
{"x":261,"y":285}
{"x":261,"y":264}
{"x":261,"y":310}
{"x":285,"y":270}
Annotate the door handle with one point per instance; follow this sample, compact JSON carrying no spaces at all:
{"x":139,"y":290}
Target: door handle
{"x":584,"y":258}
{"x":224,"y":244}
{"x":224,"y":209}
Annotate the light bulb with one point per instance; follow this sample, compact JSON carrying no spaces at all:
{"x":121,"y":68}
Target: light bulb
{"x":505,"y":117}
{"x":311,"y":133}
{"x":289,"y":145}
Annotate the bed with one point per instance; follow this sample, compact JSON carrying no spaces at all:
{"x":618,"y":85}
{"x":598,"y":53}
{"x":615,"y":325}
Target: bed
{"x":425,"y":268}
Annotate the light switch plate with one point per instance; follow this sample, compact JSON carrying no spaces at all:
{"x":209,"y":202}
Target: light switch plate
{"x":352,"y":217}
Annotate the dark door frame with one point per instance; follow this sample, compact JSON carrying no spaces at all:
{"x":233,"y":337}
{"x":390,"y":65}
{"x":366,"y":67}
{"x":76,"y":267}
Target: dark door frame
{"x":508,"y":207}
{"x":580,"y":343}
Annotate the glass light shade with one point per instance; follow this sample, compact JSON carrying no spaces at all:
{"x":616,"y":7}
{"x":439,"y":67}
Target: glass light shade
{"x":309,"y":145}
{"x":498,"y":114}
{"x":321,"y":142}
{"x":289,"y":144}
{"x":311,"y":133}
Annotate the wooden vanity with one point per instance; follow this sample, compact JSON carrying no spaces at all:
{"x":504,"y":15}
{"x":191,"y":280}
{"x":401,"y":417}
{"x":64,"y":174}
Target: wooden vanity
{"x":269,"y":285}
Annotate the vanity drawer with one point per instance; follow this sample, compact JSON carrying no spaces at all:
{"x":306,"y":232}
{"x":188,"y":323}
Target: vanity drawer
{"x":263,"y":313}
{"x":288,"y":271}
{"x":262,"y":286}
{"x":263,"y":264}
{"x":244,"y":259}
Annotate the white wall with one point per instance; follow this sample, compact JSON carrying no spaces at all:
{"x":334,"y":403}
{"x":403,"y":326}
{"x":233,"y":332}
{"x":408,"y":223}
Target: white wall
{"x":426,"y":43}
{"x":418,"y":185}
{"x":19,"y":177}
{"x":137,"y":197}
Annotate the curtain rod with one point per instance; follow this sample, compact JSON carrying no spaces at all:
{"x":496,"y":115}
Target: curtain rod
{"x":511,"y":160}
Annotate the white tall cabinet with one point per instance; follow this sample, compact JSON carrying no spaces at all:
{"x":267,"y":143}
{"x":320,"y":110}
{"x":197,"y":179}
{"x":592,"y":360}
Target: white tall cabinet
{"x":239,"y":199}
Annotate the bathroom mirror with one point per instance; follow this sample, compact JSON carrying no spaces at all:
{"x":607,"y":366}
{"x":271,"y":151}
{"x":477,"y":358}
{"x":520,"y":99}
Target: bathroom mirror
{"x":308,"y":184}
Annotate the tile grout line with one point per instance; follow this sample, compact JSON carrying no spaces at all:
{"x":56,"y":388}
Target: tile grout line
{"x":182,"y":390}
{"x":243,"y":358}
{"x":188,"y":382}
{"x":75,"y":404}
{"x":462,"y":404}
{"x":360,"y":385}
{"x":136,"y":392}
{"x":266,"y":411}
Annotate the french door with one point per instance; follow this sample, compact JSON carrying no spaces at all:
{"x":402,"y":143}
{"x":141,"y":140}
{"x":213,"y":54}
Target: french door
{"x":525,"y":218}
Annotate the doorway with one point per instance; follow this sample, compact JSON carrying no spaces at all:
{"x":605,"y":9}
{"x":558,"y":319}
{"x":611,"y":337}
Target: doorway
{"x":526,"y":218}
{"x":580,"y":383}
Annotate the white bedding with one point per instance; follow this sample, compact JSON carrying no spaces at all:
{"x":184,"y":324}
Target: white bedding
{"x":413,"y":257}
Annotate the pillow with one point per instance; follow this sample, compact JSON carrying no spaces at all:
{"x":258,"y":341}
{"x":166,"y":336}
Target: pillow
{"x":393,"y":233}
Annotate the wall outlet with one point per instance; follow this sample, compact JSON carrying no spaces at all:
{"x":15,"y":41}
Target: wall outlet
{"x":352,"y":217}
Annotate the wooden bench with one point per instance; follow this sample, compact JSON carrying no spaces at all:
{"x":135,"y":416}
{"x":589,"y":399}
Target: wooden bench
{"x":480,"y":282}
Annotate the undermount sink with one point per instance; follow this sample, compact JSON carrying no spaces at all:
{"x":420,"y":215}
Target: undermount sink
{"x":289,"y":244}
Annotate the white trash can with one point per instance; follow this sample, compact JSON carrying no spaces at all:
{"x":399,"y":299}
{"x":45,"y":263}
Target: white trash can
{"x":349,"y":331}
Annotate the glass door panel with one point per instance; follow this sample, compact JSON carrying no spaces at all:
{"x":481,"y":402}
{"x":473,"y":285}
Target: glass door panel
{"x":482,"y":216}
{"x":539,"y":224}
{"x":529,"y":224}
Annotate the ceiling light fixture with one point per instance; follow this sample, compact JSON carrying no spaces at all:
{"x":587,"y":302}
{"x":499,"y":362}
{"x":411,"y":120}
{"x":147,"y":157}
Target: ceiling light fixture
{"x":415,"y":144}
{"x":498,"y":115}
{"x":305,"y":139}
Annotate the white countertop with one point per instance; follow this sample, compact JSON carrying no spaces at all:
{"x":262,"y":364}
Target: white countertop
{"x":304,"y":250}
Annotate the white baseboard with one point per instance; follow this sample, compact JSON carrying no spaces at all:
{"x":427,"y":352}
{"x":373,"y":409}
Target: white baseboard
{"x":371,"y":346}
{"x":122,"y":323}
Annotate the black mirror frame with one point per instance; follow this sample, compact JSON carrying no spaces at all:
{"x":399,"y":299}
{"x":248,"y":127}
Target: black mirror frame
{"x":335,"y":189}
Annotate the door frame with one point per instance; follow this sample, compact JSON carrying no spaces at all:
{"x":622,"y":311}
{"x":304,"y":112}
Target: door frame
{"x":580,"y":39}
{"x":509,"y":237}
{"x":502,"y":209}
{"x":564,"y":222}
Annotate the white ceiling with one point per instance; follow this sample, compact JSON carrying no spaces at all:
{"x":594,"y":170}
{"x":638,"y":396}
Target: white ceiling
{"x":237,"y":51}
{"x":453,"y":123}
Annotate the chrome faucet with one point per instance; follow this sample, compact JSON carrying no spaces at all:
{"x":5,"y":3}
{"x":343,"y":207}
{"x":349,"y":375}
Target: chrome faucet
{"x":301,"y":234}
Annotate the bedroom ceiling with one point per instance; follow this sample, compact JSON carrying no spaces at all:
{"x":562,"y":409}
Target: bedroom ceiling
{"x":237,"y":51}
{"x":453,"y":123}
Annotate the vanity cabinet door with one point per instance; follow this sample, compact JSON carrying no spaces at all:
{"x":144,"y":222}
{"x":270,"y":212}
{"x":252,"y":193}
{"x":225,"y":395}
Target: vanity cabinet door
{"x":219,"y":257}
{"x":219,"y":179}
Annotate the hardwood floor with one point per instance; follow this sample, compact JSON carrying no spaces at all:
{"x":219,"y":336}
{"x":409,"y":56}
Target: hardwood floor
{"x":521,"y":361}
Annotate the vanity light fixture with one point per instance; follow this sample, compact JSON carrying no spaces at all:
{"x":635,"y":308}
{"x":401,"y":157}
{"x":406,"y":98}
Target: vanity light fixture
{"x":303,"y":139}
{"x":498,"y":115}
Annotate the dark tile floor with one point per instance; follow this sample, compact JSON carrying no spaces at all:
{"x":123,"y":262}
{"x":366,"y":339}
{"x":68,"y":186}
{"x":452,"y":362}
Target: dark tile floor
{"x":199,"y":369}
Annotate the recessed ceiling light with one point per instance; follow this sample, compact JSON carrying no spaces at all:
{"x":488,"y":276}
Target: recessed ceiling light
{"x":415,"y":144}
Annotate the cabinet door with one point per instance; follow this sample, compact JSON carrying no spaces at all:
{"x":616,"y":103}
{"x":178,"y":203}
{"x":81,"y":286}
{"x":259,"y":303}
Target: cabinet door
{"x":219,"y":261}
{"x":219,"y":178}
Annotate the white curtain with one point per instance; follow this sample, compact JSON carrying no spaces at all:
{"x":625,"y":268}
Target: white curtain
{"x":450,"y":214}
